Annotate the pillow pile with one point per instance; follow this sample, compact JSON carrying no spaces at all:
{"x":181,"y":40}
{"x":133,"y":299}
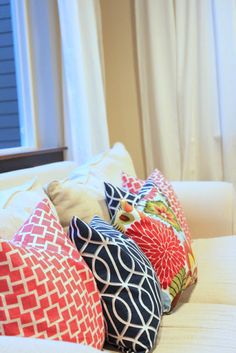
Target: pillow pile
{"x":149,"y":220}
{"x":46,"y":288}
{"x":128,"y":285}
{"x":123,"y":275}
{"x":82,"y":193}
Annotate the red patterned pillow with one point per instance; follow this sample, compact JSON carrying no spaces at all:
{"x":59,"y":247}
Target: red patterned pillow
{"x":133,"y":184}
{"x":165,"y":187}
{"x":160,"y":237}
{"x":46,"y":288}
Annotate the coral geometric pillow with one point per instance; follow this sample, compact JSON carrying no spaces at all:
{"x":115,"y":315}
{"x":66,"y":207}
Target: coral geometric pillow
{"x":128,"y":284}
{"x":159,"y":235}
{"x":134,"y":184}
{"x":46,"y":289}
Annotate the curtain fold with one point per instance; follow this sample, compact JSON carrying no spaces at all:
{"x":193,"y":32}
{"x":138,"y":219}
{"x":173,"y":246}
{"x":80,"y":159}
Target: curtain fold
{"x":187,"y":59}
{"x":85,"y":124}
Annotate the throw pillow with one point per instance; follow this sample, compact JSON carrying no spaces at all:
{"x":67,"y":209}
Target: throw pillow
{"x":17,"y":204}
{"x":159,"y":235}
{"x":127,"y":282}
{"x":71,"y":198}
{"x":165,"y":188}
{"x":106,"y":166}
{"x":82,"y":193}
{"x":46,"y":289}
{"x":113,"y":196}
{"x":132,"y":183}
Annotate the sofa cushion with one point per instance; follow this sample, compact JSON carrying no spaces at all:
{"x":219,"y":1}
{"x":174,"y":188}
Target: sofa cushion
{"x":129,"y":287}
{"x":216,"y":271}
{"x":195,"y":328}
{"x":198,"y":328}
{"x":46,"y":289}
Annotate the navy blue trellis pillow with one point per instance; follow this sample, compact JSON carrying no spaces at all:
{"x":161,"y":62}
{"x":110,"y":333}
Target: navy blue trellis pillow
{"x":113,"y":196}
{"x":130,"y":290}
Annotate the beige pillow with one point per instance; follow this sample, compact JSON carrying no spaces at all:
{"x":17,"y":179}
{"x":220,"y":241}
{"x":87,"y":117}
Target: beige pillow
{"x":74,"y":199}
{"x":82,"y":193}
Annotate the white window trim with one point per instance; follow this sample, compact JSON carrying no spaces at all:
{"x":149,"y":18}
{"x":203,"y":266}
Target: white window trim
{"x":25,"y":87}
{"x":15,"y":150}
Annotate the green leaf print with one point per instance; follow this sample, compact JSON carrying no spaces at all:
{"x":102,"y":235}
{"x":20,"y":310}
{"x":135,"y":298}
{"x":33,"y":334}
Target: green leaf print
{"x":161,"y":210}
{"x":177,"y":283}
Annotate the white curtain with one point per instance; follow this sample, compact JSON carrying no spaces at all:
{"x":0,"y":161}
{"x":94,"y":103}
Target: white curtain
{"x":64,"y":86}
{"x":187,"y":71}
{"x":85,"y":112}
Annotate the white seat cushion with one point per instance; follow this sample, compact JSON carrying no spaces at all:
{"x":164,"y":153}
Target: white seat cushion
{"x":216,"y":259}
{"x":195,"y":328}
{"x":198,"y":328}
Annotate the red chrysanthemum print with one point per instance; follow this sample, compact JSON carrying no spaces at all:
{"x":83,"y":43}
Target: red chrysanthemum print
{"x":161,"y":246}
{"x":166,"y":188}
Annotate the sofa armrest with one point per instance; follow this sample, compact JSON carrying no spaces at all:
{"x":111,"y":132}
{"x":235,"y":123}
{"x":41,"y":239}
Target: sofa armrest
{"x":208,"y":206}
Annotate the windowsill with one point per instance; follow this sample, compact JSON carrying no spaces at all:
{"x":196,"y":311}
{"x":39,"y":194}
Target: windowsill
{"x":28,"y":157}
{"x":10,"y":153}
{"x":15,"y":150}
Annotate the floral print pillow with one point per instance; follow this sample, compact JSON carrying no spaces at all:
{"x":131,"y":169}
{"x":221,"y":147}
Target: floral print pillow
{"x":134,"y":185}
{"x":153,"y":225}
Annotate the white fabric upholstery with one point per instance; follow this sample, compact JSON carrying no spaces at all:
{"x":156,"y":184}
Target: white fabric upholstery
{"x":195,"y":328}
{"x":44,"y":174}
{"x":11,"y":344}
{"x":216,"y":259}
{"x":208,"y":205}
{"x":198,"y":328}
{"x":106,"y":166}
{"x":16,"y":205}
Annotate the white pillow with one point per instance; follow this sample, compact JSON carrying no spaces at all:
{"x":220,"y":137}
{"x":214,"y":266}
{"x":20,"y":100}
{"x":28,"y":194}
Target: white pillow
{"x":106,"y":166}
{"x":17,"y":204}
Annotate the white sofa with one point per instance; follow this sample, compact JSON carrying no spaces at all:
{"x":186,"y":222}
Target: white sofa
{"x":204,"y":320}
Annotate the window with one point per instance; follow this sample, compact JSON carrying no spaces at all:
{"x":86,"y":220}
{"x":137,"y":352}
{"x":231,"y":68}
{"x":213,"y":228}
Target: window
{"x":9,"y":113}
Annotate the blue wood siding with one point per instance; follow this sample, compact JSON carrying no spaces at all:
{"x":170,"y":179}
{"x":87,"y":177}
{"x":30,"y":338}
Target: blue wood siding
{"x":9,"y":117}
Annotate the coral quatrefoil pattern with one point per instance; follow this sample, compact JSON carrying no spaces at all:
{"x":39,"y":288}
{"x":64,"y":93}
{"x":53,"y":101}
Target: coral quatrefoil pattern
{"x":46,"y":289}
